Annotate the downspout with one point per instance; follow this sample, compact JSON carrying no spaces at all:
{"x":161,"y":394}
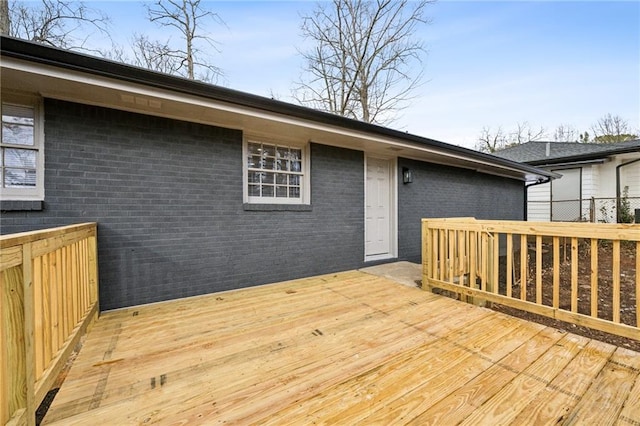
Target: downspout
{"x":618,"y":192}
{"x":526,"y":194}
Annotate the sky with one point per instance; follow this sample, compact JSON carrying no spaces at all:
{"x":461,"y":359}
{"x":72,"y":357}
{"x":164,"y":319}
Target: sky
{"x":488,"y":64}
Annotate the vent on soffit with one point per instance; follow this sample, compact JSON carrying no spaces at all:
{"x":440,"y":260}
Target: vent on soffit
{"x":140,"y":101}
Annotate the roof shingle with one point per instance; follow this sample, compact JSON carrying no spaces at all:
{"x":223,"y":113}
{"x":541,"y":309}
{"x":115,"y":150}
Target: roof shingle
{"x":539,"y":151}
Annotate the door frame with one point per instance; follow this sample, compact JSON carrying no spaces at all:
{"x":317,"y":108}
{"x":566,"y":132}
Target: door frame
{"x":393,"y":208}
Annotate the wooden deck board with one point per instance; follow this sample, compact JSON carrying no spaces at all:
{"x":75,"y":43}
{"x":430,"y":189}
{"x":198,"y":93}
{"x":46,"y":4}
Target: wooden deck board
{"x":347,"y":348}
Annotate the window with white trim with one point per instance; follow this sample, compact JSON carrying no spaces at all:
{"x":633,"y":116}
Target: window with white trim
{"x":21,"y":162}
{"x":275,"y":173}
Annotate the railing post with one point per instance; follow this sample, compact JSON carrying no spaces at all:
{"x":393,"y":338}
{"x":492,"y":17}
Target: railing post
{"x":13,"y":357}
{"x":93,"y":269}
{"x":426,"y":255}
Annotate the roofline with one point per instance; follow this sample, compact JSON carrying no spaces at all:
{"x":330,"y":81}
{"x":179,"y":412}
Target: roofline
{"x":583,"y":157}
{"x":46,"y":55}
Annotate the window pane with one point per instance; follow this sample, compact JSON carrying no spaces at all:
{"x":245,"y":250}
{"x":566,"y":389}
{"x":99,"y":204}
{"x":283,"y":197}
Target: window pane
{"x":17,"y":114}
{"x":267,"y":191}
{"x":296,"y":166}
{"x":283,"y":165}
{"x":254,"y":190}
{"x":268,"y":163}
{"x":281,"y":191}
{"x":269,"y":150}
{"x":254,"y":148}
{"x":14,"y":157}
{"x":254,"y":162}
{"x":19,"y":178}
{"x":296,"y":154}
{"x":283,"y":152}
{"x":294,"y":179}
{"x":281,"y":179}
{"x":17,"y":124}
{"x":267,"y":178}
{"x":254,"y":177}
{"x":294,"y":192}
{"x":17,"y":134}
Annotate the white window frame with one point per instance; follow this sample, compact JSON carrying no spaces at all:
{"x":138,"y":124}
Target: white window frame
{"x":305,"y":172}
{"x":36,"y":193}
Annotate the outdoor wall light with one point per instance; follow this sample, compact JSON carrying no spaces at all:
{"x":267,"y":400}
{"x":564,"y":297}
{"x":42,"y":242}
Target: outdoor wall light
{"x":407,"y":175}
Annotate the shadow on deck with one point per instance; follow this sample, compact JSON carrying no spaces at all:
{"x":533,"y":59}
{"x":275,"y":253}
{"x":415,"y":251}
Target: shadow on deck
{"x":346,"y":348}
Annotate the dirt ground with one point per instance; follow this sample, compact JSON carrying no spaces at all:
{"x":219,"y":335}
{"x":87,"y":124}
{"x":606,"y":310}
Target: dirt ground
{"x":605,"y":284}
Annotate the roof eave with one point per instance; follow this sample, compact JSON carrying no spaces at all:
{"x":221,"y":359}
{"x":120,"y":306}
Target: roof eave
{"x":45,"y":55}
{"x":582,"y":158}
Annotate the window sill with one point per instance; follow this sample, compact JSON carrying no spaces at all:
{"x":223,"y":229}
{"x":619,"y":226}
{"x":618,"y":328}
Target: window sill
{"x":277,"y":207}
{"x":21,"y":206}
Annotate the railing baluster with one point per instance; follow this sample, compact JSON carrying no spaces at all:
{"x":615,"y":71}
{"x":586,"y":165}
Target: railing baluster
{"x":29,"y":328}
{"x":509,"y":276}
{"x":594,"y":277}
{"x":524,"y":263}
{"x":436,"y":249}
{"x":556,"y":272}
{"x":495,"y":276}
{"x":539,"y":269}
{"x":451,"y":246}
{"x":484,"y":261}
{"x":46,"y":313}
{"x":616,"y":281}
{"x":473,"y":256}
{"x":461,"y":255}
{"x":441,"y":254}
{"x":574,"y":274}
{"x":638,"y":284}
{"x":38,"y":317}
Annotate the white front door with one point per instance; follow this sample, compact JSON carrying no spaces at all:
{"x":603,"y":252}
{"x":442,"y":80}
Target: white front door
{"x":378,"y":213}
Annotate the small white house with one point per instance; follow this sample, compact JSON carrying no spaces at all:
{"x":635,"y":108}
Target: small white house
{"x":599,"y":183}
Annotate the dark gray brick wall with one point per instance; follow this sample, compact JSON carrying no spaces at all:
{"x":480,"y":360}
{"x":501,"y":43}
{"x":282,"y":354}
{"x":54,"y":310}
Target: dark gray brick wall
{"x":442,"y":191}
{"x":167,"y":196}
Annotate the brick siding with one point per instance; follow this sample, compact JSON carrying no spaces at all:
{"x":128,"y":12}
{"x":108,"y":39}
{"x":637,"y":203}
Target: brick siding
{"x":444,"y":191}
{"x":167,"y":196}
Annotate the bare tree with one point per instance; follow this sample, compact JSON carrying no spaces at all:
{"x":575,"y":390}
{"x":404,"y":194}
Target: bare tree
{"x":611,"y":129}
{"x":525,"y":133}
{"x":189,"y":60}
{"x":155,"y":55}
{"x":565,"y":133}
{"x":363,"y":57}
{"x":490,"y":141}
{"x":64,"y":24}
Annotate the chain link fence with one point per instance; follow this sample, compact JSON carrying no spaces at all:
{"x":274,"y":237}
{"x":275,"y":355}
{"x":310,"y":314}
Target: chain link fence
{"x":596,"y":210}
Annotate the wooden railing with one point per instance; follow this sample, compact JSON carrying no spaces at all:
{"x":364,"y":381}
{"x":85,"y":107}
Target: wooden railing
{"x":48,"y":297}
{"x":574,"y":272}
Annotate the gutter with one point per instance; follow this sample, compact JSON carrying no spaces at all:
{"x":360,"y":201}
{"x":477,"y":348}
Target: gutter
{"x":618,"y":192}
{"x":526,"y":192}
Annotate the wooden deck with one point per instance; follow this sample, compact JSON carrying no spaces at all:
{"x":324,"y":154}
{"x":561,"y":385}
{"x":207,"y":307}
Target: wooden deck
{"x":348,"y":348}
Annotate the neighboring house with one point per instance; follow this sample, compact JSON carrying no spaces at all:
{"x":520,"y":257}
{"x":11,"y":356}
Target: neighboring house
{"x":599,"y":183}
{"x":198,"y":188}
